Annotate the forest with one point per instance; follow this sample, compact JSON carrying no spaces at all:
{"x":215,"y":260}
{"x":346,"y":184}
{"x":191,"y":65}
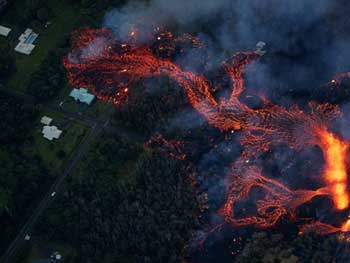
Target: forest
{"x":23,"y":178}
{"x":141,"y":210}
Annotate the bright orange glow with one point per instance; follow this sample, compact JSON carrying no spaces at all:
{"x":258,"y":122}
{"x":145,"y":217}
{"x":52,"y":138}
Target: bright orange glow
{"x":110,"y":73}
{"x":346,"y":226}
{"x":335,"y":171}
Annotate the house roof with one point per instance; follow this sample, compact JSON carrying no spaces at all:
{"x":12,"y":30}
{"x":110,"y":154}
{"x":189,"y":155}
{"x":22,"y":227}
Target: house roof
{"x":82,"y":95}
{"x":24,"y":48}
{"x":4,"y":31}
{"x":46,"y":120}
{"x":51,"y":132}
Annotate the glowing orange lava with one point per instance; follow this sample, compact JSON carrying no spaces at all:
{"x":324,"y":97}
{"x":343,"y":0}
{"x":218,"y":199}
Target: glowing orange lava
{"x":110,"y":72}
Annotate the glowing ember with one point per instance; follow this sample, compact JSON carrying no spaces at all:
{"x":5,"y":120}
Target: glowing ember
{"x":109,"y":74}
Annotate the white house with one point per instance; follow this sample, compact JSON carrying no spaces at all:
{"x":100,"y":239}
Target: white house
{"x":51,"y":132}
{"x":4,"y":31}
{"x":26,"y":40}
{"x":82,"y":95}
{"x":46,"y":120}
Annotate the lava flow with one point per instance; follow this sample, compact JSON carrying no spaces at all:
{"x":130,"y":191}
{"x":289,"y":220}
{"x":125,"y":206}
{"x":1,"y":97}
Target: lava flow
{"x":110,"y":69}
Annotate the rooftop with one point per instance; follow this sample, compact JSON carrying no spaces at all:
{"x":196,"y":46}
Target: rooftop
{"x":46,"y":120}
{"x":24,"y":48}
{"x":82,"y":95}
{"x":25,"y":44}
{"x":4,"y":31}
{"x":51,"y":132}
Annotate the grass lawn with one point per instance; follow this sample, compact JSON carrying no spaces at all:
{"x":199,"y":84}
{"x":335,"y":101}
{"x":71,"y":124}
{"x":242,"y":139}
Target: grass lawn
{"x":63,"y":21}
{"x":72,"y":135}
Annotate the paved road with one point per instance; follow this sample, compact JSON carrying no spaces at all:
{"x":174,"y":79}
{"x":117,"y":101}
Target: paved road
{"x":97,"y":126}
{"x":56,"y":186}
{"x":50,"y":106}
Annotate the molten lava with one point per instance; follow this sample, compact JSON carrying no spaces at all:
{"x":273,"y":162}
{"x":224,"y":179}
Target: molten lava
{"x":110,"y":69}
{"x":335,"y":171}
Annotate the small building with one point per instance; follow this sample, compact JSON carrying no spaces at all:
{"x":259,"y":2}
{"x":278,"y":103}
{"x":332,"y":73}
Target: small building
{"x":82,"y":95}
{"x":46,"y":120}
{"x":25,"y":49}
{"x":26,"y":40}
{"x":260,"y":48}
{"x":4,"y":31}
{"x":51,"y":132}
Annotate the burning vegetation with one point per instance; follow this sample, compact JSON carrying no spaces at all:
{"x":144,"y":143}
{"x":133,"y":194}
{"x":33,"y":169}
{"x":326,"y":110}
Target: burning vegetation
{"x":109,"y":67}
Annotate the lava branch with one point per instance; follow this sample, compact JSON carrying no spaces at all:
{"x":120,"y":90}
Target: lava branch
{"x":173,"y":148}
{"x":108,"y":68}
{"x":278,"y":201}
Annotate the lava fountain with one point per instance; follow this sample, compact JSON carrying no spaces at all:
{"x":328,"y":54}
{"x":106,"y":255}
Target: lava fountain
{"x":335,"y":171}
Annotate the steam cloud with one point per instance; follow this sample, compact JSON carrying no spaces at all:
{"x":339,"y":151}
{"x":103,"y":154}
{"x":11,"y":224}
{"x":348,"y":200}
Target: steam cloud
{"x":306,"y":40}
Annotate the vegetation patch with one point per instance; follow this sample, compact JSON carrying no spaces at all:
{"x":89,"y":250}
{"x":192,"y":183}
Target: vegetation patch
{"x":55,"y":153}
